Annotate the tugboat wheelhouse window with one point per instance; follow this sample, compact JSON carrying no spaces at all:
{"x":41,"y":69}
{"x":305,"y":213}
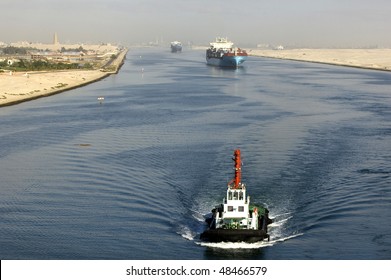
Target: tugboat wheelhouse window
{"x":241,"y":208}
{"x":230,"y":208}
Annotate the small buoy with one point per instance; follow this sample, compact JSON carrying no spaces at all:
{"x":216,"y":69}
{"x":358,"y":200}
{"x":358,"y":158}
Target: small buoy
{"x":83,"y":145}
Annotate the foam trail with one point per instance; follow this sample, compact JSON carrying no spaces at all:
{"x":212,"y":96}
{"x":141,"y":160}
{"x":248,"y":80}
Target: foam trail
{"x":276,"y":234}
{"x":282,"y":239}
{"x":244,"y":245}
{"x":187,"y":233}
{"x":235,"y":245}
{"x":279,"y":223}
{"x":198,"y":215}
{"x":279,"y":215}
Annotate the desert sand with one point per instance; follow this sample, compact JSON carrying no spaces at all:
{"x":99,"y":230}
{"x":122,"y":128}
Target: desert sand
{"x":378,"y":59}
{"x":16,"y":87}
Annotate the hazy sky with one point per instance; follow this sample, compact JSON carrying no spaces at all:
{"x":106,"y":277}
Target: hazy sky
{"x":313,"y":23}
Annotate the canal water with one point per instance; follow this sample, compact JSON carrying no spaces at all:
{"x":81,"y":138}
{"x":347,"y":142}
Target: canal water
{"x":132,"y":177}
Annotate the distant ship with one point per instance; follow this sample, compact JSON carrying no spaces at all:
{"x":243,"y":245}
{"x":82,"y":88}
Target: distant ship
{"x":222,"y":53}
{"x":176,"y":46}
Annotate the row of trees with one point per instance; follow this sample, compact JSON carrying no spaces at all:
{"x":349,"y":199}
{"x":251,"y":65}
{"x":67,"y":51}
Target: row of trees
{"x":10,"y":50}
{"x":79,"y":49}
{"x":15,"y":50}
{"x":41,"y":65}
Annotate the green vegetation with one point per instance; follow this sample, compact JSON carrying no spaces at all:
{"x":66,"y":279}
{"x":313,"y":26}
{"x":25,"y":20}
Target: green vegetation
{"x":21,"y":62}
{"x":29,"y":59}
{"x":16,"y":51}
{"x":79,"y":49}
{"x":41,"y":65}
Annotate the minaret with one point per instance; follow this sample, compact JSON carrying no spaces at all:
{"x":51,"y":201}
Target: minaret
{"x":55,"y":39}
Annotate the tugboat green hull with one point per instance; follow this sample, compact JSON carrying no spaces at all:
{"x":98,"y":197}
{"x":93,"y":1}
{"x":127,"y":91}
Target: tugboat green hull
{"x":234,"y":235}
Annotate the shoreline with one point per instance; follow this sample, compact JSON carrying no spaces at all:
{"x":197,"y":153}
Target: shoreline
{"x":21,"y":87}
{"x":373,"y":59}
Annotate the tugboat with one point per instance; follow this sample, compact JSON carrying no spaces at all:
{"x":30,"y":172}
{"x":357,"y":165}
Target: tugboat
{"x":236,"y":220}
{"x":222,"y":53}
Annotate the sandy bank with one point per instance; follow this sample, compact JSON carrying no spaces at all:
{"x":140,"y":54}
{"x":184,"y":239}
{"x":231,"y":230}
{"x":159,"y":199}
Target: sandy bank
{"x":18,"y":87}
{"x":378,"y":59}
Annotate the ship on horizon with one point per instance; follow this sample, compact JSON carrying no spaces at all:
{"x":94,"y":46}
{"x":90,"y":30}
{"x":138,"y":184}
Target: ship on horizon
{"x":176,"y":46}
{"x":222,"y":53}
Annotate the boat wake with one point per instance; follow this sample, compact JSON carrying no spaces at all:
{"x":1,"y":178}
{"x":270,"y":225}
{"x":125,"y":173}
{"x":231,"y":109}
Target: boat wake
{"x":235,"y":223}
{"x":191,"y":231}
{"x":187,"y":233}
{"x":277,"y":231}
{"x":234,"y":245}
{"x":244,"y":245}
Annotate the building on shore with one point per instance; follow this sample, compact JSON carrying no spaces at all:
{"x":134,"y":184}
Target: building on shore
{"x":55,"y":39}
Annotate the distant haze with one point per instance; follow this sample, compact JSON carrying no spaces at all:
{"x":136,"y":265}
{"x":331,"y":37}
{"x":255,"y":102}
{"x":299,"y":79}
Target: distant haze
{"x":301,"y":23}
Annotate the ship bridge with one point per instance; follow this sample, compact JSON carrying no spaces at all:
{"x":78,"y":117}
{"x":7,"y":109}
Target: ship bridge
{"x":236,"y":204}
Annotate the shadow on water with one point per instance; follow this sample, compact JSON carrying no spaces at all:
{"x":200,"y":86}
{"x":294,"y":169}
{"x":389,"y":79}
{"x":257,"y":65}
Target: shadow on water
{"x":234,"y":254}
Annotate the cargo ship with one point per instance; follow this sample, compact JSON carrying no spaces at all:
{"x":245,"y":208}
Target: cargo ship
{"x":236,"y":220}
{"x":223,"y":53}
{"x":176,"y":46}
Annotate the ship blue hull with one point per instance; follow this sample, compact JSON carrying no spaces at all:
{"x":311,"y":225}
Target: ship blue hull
{"x":226,"y":61}
{"x":176,"y":48}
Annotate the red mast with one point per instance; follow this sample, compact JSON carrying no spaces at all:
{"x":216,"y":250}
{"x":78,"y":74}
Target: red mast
{"x":238,"y":169}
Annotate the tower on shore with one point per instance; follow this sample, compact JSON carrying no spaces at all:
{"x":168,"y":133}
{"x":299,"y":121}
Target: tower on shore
{"x":55,"y":39}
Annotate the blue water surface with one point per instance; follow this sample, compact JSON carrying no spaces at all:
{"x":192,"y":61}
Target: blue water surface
{"x":132,"y":178}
